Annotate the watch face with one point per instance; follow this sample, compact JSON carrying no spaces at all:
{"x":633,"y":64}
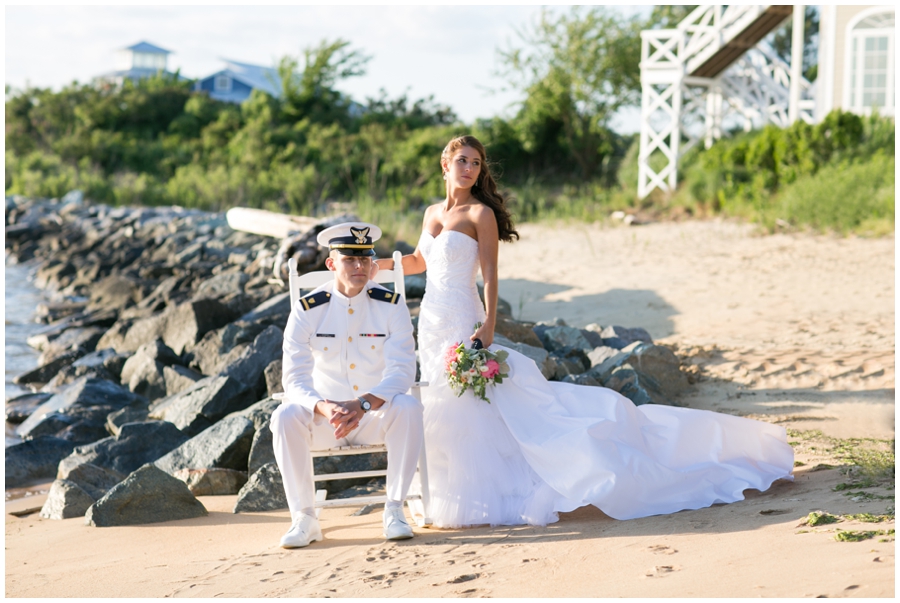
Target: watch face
{"x":366,"y":405}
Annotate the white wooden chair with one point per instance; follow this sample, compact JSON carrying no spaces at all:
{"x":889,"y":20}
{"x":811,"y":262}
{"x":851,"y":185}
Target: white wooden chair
{"x":418,"y":503}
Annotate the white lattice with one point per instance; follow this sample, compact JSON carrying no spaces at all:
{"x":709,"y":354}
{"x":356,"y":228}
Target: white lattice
{"x":679,"y":111}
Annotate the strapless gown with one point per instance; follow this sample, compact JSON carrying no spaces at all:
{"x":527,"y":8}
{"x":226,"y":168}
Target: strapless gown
{"x":543,"y":447}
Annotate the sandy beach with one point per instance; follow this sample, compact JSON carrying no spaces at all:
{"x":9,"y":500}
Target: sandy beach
{"x":795,"y":329}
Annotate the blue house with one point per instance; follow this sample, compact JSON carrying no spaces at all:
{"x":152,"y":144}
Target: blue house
{"x":235,"y":83}
{"x":136,"y":62}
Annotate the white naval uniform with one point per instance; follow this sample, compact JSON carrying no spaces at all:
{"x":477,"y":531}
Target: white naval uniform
{"x":338,"y":349}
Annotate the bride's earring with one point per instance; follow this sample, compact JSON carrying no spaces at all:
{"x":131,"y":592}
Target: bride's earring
{"x":445,"y":175}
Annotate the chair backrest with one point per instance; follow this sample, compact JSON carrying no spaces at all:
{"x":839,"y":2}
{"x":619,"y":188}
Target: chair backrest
{"x":311,"y":280}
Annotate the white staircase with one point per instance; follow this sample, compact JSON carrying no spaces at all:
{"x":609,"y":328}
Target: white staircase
{"x":711,"y":70}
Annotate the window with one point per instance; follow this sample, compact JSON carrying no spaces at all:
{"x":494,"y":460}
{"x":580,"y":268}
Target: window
{"x":222,"y":83}
{"x":870,"y":68}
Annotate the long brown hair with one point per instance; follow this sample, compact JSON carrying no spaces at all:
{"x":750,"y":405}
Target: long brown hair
{"x":485,"y":189}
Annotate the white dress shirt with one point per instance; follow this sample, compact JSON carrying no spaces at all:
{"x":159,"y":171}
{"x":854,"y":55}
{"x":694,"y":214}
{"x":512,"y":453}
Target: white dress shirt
{"x":341,"y":348}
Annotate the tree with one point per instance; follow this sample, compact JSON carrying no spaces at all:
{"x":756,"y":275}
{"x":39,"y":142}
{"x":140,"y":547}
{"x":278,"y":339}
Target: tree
{"x":310,"y":93}
{"x":781,"y":42}
{"x":576,"y":70}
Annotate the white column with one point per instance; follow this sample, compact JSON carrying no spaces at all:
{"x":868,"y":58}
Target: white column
{"x":796,"y":62}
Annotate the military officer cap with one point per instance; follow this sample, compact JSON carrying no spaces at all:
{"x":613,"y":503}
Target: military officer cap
{"x":350,"y":238}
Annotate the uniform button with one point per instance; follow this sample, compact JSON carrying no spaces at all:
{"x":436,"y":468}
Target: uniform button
{"x":350,"y":310}
{"x":326,"y":349}
{"x":352,"y":366}
{"x":355,"y":387}
{"x":373,"y":347}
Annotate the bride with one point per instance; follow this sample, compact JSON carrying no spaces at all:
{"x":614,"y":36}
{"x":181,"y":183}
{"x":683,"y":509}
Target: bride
{"x":540,"y":448}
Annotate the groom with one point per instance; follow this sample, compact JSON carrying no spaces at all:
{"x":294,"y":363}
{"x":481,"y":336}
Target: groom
{"x":349,"y":359}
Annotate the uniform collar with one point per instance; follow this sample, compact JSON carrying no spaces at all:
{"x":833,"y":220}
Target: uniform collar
{"x":343,"y":300}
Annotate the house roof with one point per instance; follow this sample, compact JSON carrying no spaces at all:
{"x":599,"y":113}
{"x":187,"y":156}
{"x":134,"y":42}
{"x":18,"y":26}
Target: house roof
{"x":255,"y":76}
{"x":147,"y":47}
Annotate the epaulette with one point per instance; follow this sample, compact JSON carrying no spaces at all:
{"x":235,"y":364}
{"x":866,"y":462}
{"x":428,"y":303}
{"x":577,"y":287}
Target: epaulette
{"x":315,"y":300}
{"x":384,"y":295}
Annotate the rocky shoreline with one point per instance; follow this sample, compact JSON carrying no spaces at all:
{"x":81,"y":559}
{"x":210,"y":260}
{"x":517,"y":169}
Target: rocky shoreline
{"x":162,"y":352}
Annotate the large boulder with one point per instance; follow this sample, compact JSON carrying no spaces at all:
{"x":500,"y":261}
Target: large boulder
{"x":520,"y":332}
{"x":179,"y":327}
{"x":212,"y":482}
{"x":66,"y":500}
{"x":539,"y":356}
{"x":221,"y":285}
{"x":34,"y":459}
{"x":93,"y":479}
{"x":275,"y":310}
{"x":45,"y":372}
{"x":146,"y":496}
{"x":561,"y":337}
{"x":117,"y":291}
{"x":204,"y":403}
{"x":264,"y":491}
{"x":225,"y":445}
{"x":21,"y":407}
{"x":620,"y":337}
{"x":223,"y":346}
{"x":136,"y":444}
{"x":656,"y":369}
{"x":273,"y":374}
{"x":179,"y":378}
{"x":251,"y":365}
{"x":80,"y":338}
{"x":262,"y":450}
{"x":88,"y":398}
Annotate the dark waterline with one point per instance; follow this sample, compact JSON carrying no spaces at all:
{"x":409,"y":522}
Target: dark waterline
{"x":22,"y":299}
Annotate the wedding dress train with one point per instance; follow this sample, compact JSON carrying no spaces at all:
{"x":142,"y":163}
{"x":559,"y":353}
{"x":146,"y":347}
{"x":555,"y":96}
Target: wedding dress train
{"x":539,"y":447}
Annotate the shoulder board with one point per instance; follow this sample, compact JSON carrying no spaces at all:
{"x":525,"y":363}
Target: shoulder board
{"x":377,"y":293}
{"x":315,"y":300}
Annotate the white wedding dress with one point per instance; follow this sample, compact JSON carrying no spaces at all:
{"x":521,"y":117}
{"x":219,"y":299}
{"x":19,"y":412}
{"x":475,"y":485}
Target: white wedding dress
{"x":543,"y":447}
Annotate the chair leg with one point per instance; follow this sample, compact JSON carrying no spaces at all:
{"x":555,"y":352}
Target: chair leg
{"x":321,"y":495}
{"x":419,"y":509}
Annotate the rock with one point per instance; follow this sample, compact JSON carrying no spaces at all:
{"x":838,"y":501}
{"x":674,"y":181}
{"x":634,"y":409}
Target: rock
{"x":129,"y":414}
{"x":106,"y":358}
{"x":657,"y":368}
{"x":620,"y":337}
{"x":631,"y":384}
{"x":273,"y":377}
{"x":250,"y":366}
{"x":34,"y":459}
{"x":146,"y":496}
{"x":414,"y":285}
{"x":555,"y":338}
{"x":136,"y":444}
{"x":540,"y":356}
{"x":94,"y":480}
{"x":92,"y":398}
{"x":21,"y":407}
{"x":593,"y":337}
{"x":569,"y":361}
{"x":520,"y":332}
{"x":225,"y":445}
{"x":180,"y":327}
{"x":260,"y":413}
{"x":144,"y":376}
{"x":204,"y":403}
{"x":46,"y":372}
{"x":262,"y":451}
{"x":178,"y":378}
{"x":273,"y":311}
{"x":222,"y":285}
{"x":223,"y":346}
{"x":66,"y":500}
{"x":116,"y":291}
{"x":264,"y":491}
{"x":212,"y":482}
{"x":581,"y":380}
{"x":71,"y":340}
{"x":600,"y":354}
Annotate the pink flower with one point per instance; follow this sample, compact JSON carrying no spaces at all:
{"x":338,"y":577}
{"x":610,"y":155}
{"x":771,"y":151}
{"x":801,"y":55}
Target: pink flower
{"x":491,"y":369}
{"x":451,"y":355}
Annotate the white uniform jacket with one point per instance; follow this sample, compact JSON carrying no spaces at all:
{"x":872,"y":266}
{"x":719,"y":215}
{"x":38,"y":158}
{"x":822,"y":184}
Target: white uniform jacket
{"x":338,"y":348}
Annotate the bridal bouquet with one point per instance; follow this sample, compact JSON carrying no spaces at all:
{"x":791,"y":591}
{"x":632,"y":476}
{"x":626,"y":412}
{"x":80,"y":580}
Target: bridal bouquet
{"x":468,"y":368}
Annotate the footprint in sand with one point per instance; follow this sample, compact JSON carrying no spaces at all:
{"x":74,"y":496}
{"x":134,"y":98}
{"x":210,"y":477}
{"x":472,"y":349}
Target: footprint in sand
{"x":660,"y":571}
{"x":661,"y":549}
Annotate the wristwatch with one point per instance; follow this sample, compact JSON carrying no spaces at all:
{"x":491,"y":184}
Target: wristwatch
{"x":365,"y":404}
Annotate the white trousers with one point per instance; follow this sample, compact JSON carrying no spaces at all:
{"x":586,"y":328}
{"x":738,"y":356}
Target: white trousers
{"x":296,"y":432}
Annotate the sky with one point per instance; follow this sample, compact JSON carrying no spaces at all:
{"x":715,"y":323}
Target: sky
{"x":449,"y":52}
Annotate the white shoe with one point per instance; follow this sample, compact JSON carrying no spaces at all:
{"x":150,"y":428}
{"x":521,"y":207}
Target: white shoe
{"x":395,"y":526}
{"x":304,"y":530}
